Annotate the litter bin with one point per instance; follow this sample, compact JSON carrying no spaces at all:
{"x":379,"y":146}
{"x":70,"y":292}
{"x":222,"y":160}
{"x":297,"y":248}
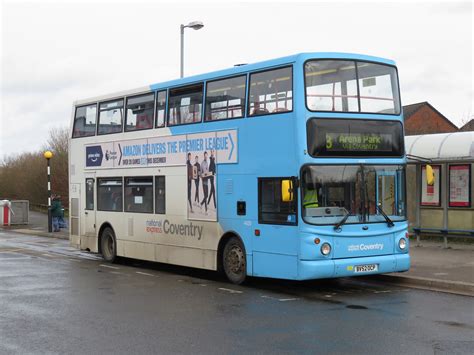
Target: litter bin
{"x":5,"y":212}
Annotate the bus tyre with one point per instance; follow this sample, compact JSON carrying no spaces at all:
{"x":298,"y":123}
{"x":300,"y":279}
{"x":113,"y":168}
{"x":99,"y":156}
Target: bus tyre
{"x":108,"y":245}
{"x":234,"y":261}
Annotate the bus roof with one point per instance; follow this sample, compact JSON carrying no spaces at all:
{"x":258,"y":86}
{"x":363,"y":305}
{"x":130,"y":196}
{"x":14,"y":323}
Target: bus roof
{"x":244,"y":68}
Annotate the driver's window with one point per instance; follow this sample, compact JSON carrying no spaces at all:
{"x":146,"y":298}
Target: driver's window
{"x":271,"y":207}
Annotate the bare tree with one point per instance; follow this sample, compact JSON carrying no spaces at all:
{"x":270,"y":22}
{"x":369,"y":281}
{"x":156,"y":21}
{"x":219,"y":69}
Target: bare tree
{"x":24,"y":176}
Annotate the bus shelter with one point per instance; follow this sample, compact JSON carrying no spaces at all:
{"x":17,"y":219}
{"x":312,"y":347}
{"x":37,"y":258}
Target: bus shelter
{"x":447,"y":203}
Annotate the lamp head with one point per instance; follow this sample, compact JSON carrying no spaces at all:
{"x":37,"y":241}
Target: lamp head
{"x":48,"y":154}
{"x":195,"y":25}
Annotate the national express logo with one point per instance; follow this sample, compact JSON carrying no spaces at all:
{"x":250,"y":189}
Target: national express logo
{"x":177,"y":229}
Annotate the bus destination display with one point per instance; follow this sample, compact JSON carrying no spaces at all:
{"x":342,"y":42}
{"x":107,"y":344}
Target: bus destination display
{"x":354,"y":137}
{"x":340,"y":142}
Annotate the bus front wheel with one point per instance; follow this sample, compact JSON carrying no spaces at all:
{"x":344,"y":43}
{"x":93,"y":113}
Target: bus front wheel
{"x":108,"y":245}
{"x":234,"y":261}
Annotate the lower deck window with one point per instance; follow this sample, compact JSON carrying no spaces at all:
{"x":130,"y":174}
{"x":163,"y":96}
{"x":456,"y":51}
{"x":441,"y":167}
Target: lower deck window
{"x":160,"y":195}
{"x":109,"y":194}
{"x":139,"y":194}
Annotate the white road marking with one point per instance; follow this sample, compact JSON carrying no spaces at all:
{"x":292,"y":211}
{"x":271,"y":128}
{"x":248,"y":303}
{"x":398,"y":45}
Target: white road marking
{"x":280,"y":299}
{"x":287,"y":299}
{"x":48,"y":255}
{"x":229,"y":290}
{"x":110,"y":267}
{"x":145,"y":273}
{"x":440,"y":273}
{"x":15,"y":258}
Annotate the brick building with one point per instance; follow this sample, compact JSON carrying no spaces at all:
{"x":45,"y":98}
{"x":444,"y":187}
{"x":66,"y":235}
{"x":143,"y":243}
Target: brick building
{"x":422,"y":118}
{"x":468,"y":126}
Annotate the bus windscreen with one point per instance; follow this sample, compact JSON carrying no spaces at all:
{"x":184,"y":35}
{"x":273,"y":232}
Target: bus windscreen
{"x":346,"y":137}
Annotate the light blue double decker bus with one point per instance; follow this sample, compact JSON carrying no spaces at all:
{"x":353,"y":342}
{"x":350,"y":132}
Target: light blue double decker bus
{"x":291,"y":168}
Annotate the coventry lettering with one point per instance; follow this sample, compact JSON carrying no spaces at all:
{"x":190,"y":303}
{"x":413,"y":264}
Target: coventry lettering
{"x":365,"y":247}
{"x":183,"y":229}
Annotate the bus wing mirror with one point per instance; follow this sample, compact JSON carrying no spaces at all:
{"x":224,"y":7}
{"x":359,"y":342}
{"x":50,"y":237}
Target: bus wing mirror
{"x":430,"y":177}
{"x":287,"y":190}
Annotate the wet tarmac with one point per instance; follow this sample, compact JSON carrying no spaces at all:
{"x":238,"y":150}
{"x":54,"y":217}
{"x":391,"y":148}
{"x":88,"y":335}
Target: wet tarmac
{"x":56,"y":299}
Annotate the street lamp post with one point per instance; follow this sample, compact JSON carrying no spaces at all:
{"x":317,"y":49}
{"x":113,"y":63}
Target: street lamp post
{"x":48,"y":155}
{"x":195,"y":25}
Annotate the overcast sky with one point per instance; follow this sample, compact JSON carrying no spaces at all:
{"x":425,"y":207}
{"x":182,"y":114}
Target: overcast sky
{"x":53,"y":53}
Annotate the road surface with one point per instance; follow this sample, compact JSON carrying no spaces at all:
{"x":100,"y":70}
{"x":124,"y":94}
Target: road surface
{"x":55,"y":299}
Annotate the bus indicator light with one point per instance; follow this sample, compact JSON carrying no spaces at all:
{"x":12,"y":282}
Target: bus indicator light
{"x":317,"y":240}
{"x":257,"y":232}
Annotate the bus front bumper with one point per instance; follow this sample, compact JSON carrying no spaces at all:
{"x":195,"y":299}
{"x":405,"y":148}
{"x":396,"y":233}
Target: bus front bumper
{"x":321,"y":269}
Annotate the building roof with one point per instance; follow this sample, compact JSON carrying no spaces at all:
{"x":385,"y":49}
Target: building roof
{"x":468,"y":126}
{"x":410,"y":110}
{"x":442,"y":146}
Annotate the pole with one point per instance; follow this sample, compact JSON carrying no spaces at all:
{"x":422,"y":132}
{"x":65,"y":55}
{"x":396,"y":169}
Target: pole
{"x":48,"y":155}
{"x":50,"y":227}
{"x":182,"y":52}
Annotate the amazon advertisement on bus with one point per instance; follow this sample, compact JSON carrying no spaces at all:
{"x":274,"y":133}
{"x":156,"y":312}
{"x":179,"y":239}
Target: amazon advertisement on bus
{"x":199,"y":153}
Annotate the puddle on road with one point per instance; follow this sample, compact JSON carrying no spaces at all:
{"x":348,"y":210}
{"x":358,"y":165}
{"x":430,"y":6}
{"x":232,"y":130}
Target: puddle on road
{"x":356,"y":306}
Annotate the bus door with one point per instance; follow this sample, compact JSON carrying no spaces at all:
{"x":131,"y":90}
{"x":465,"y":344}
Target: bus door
{"x":387,"y":186}
{"x":90,"y":205}
{"x":275,"y":246}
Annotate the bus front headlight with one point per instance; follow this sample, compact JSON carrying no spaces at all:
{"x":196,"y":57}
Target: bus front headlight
{"x":325,"y":249}
{"x":402,"y":243}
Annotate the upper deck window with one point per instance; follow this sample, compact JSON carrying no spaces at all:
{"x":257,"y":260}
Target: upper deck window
{"x":84,"y":121}
{"x":225,"y":98}
{"x":350,"y":86}
{"x":140,"y":112}
{"x":110,"y":117}
{"x":185,"y":105}
{"x":271,"y":91}
{"x":160,"y":108}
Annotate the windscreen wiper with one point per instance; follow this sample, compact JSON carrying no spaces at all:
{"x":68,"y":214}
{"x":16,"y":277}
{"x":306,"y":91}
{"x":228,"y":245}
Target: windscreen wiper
{"x":339,"y":224}
{"x":387,"y":218}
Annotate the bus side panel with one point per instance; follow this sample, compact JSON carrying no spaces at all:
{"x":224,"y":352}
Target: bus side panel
{"x":192,"y":257}
{"x":275,"y":265}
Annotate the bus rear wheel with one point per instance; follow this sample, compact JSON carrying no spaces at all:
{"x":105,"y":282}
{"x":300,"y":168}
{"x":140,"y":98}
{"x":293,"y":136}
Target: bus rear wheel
{"x":234,"y":261}
{"x":108,"y":245}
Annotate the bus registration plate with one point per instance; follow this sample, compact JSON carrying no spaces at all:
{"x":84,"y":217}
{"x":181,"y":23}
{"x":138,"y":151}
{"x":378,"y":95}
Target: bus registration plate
{"x":366,"y":268}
